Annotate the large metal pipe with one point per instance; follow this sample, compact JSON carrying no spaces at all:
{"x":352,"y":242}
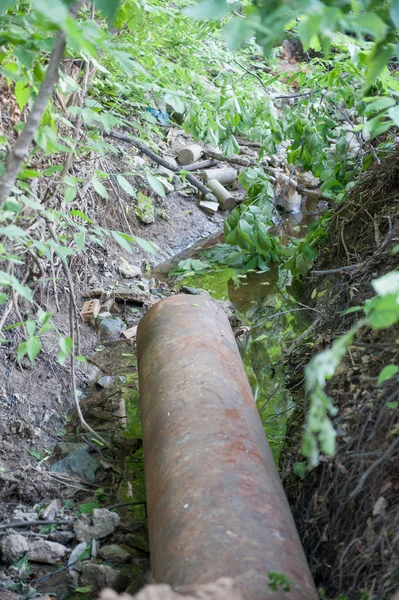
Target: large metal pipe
{"x":216,"y":506}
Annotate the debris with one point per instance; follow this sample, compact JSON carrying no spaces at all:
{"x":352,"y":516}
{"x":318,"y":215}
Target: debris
{"x":115,"y":553}
{"x":13,"y":547}
{"x":226,"y":199}
{"x":109,"y":326}
{"x":189,"y":154}
{"x":49,"y":553}
{"x":103,"y":576}
{"x":209,"y":207}
{"x":129,"y":271}
{"x":90,"y":310}
{"x":79,"y":464}
{"x":225,"y":175}
{"x":380,"y":506}
{"x":130,"y":333}
{"x":73,"y":562}
{"x":104,"y":523}
{"x":109,"y":381}
{"x":52,"y":510}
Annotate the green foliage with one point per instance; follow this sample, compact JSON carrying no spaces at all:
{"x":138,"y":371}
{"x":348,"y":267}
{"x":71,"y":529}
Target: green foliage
{"x":279,"y":581}
{"x":381,"y":312}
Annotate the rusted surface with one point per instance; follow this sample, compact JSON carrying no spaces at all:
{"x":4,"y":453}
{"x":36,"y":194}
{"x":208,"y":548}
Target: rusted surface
{"x":216,"y":507}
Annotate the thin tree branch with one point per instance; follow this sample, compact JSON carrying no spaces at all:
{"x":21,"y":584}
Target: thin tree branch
{"x":20,"y":150}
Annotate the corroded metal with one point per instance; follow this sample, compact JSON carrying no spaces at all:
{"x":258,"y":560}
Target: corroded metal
{"x":215,"y":503}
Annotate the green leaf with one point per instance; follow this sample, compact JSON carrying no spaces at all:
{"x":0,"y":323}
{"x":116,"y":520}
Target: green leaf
{"x":22,"y":93}
{"x":81,"y":215}
{"x":80,"y":239}
{"x":30,"y":327}
{"x":394,"y":13}
{"x":175,"y":102}
{"x":12,"y":231}
{"x":118,"y":237}
{"x":208,"y":10}
{"x":386,"y":373}
{"x":392,"y":405}
{"x":54,"y":169}
{"x":33,"y":347}
{"x":65,"y":349}
{"x":394,"y":114}
{"x":88,"y":507}
{"x":35,"y":454}
{"x":300,"y":469}
{"x":21,"y":350}
{"x":387,"y":284}
{"x":156,"y":185}
{"x":380,"y":104}
{"x":126,"y":186}
{"x":100,"y":189}
{"x":84,"y":590}
{"x":108,"y":8}
{"x":70,"y":193}
{"x":146,"y":245}
{"x":10,"y":280}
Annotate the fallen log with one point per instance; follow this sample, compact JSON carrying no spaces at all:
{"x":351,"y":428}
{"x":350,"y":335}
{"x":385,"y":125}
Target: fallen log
{"x":189,"y":154}
{"x":202,"y":164}
{"x":226,"y":199}
{"x":224,"y":175}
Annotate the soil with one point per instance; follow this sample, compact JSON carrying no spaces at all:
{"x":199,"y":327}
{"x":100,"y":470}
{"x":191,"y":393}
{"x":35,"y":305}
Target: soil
{"x":347,"y":509}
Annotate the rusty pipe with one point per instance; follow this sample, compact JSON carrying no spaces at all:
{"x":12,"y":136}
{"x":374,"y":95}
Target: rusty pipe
{"x":216,"y":506}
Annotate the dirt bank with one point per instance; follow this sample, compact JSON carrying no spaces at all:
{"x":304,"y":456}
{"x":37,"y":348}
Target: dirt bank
{"x":347,"y":509}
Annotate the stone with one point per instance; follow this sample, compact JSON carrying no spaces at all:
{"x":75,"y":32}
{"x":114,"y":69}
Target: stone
{"x":185,"y":289}
{"x":52,"y":510}
{"x":129,"y":271}
{"x":209,"y":207}
{"x":49,"y":553}
{"x":293,"y":203}
{"x":20,"y":515}
{"x":104,"y":523}
{"x":62,"y":537}
{"x":168,"y":187}
{"x":138,"y":161}
{"x":64,"y":448}
{"x":79,"y":464}
{"x":138,"y":539}
{"x":108,"y":381}
{"x":46,"y":597}
{"x":13,"y":547}
{"x":308,"y":180}
{"x":103,"y":576}
{"x":109,"y":326}
{"x":114,"y":553}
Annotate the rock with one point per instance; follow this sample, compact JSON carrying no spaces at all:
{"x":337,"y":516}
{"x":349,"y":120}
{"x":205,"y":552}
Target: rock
{"x":138,"y":161}
{"x":172,"y":161}
{"x":185,"y":289}
{"x":129,"y":271}
{"x":308,"y":180}
{"x":62,"y":537}
{"x":209,"y":207}
{"x":294,"y":203}
{"x":20,"y":515}
{"x":167,"y":172}
{"x":79,"y":464}
{"x":109,"y":326}
{"x":49,"y":553}
{"x":138,"y":539}
{"x":168,"y":187}
{"x":46,"y":597}
{"x":115,"y":553}
{"x":107,"y":382}
{"x":52,"y":510}
{"x":76,"y":553}
{"x":64,"y":448}
{"x":13,"y":547}
{"x":104,"y":523}
{"x":103,"y":576}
